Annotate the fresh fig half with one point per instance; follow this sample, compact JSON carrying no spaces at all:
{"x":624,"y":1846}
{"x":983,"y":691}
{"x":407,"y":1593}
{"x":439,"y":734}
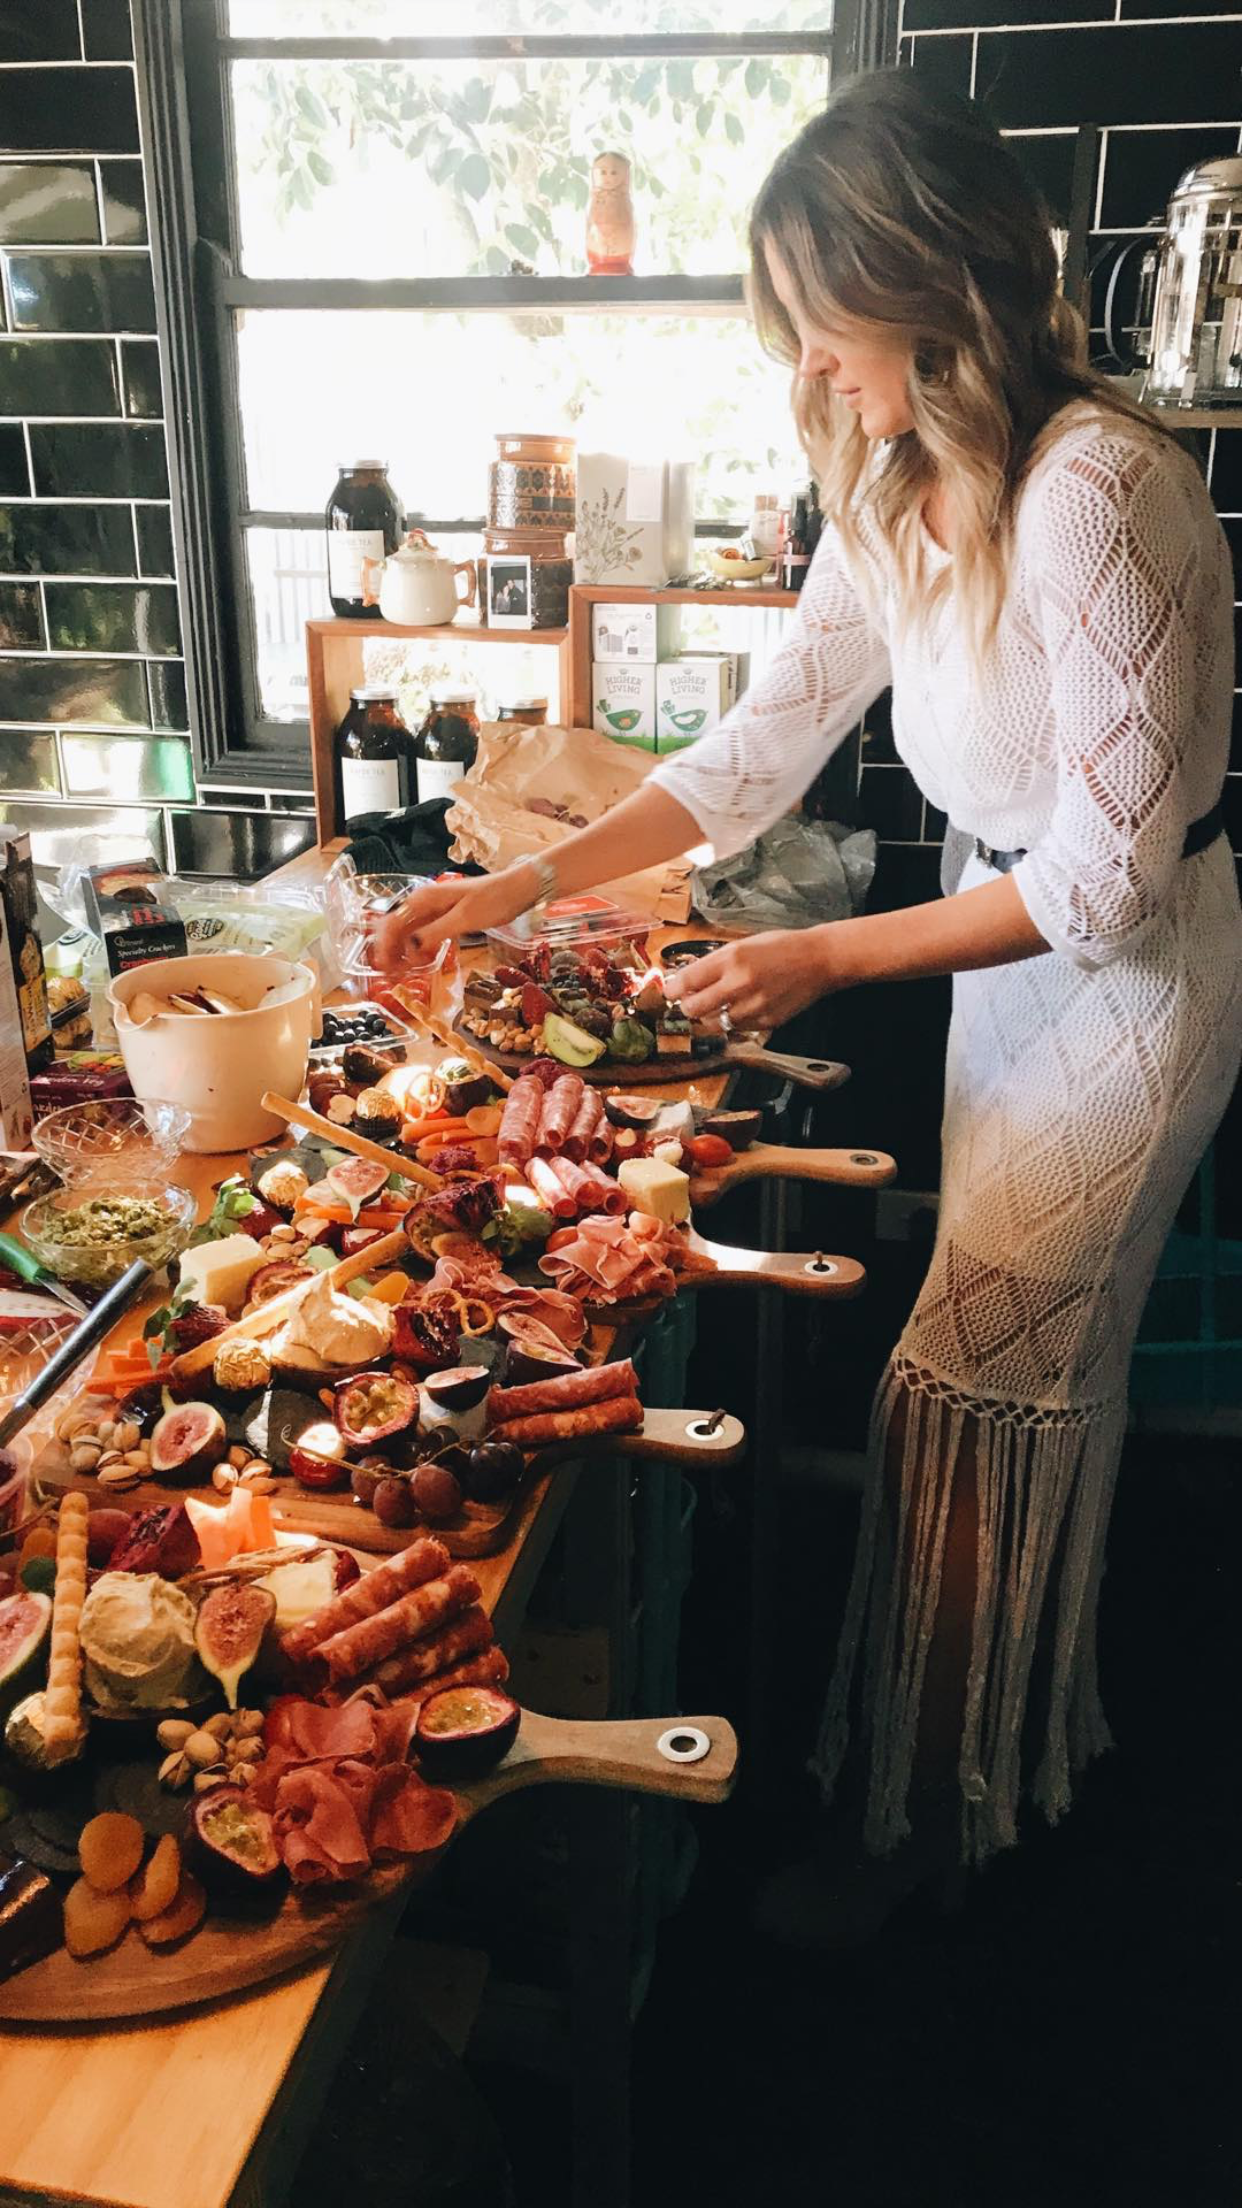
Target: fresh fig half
{"x":534,"y":1351}
{"x":638,"y":1112}
{"x":465,"y":1731}
{"x":229,"y":1630}
{"x":376,"y":1407}
{"x":233,"y":1841}
{"x":354,"y":1182}
{"x":188,"y":1442}
{"x":461,"y":1388}
{"x":739,"y":1128}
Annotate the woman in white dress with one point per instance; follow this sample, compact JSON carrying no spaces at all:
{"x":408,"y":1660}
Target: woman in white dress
{"x":1037,"y":571}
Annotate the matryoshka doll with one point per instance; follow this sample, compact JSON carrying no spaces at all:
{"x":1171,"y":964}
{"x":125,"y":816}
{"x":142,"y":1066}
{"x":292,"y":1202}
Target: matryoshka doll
{"x":610,"y":217}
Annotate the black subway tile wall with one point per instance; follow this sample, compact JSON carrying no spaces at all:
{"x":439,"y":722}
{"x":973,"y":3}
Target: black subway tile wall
{"x":93,"y":701}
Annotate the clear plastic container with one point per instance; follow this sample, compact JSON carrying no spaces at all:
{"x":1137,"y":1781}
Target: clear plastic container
{"x":571,"y":924}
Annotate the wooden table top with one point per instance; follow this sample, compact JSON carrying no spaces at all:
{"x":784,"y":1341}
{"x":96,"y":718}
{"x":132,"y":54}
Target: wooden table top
{"x":171,"y":2109}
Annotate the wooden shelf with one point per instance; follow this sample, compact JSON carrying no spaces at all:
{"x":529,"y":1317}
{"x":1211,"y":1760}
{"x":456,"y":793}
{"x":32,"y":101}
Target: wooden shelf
{"x":334,"y":668}
{"x":585,"y":595}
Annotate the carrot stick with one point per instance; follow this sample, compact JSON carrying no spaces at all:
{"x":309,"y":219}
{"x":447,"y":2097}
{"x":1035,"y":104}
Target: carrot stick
{"x":340,"y":1215}
{"x":415,"y":1130}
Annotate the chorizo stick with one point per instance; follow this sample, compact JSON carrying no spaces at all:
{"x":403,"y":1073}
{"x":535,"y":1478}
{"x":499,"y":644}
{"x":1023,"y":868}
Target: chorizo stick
{"x":567,"y":1391}
{"x":423,"y":1560}
{"x":363,"y":1646}
{"x":463,"y":1637}
{"x":622,"y":1414}
{"x":490,"y":1669}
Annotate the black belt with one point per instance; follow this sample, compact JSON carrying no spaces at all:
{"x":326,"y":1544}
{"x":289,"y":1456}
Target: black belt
{"x":1199,"y":835}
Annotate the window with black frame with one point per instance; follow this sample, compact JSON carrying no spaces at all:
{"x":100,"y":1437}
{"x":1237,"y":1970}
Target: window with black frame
{"x":389,"y":258}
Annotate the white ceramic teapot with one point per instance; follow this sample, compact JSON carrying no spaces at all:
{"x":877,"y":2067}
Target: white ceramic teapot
{"x":416,"y":585}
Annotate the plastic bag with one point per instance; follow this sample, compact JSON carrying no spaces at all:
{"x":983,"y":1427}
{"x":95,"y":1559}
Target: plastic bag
{"x":797,"y":874}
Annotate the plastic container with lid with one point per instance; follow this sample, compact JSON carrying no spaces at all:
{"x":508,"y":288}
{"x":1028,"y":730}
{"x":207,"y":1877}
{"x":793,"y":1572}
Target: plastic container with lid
{"x":571,"y":924}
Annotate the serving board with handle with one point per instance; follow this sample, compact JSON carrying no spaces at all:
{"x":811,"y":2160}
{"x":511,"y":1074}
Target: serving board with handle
{"x":775,"y":1161}
{"x":231,"y":1952}
{"x":735,"y":1051}
{"x":685,"y":1437}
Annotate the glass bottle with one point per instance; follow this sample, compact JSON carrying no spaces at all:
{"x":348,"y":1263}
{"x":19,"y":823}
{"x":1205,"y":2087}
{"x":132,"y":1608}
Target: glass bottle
{"x":447,"y":742}
{"x":364,"y":522}
{"x":372,"y":756}
{"x":765,"y":526}
{"x":805,"y":524}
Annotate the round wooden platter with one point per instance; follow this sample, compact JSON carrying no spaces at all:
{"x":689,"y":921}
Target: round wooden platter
{"x":230,"y":1953}
{"x":735,"y":1051}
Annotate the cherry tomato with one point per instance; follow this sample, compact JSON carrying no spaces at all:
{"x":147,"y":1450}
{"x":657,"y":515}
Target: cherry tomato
{"x":708,"y":1151}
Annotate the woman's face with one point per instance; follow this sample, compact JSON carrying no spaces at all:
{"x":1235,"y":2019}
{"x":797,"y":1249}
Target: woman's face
{"x":870,"y":377}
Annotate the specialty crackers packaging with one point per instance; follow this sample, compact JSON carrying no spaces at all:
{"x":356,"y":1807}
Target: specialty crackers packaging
{"x":122,"y":906}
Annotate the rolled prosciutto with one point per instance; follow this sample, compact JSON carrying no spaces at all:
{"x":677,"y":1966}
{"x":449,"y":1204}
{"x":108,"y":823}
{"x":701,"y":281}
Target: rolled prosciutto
{"x":577,"y":1143}
{"x":559,"y":1107}
{"x":519,"y":1121}
{"x":437,"y":1654}
{"x":347,"y":1655}
{"x":423,"y":1560}
{"x":548,"y":1182}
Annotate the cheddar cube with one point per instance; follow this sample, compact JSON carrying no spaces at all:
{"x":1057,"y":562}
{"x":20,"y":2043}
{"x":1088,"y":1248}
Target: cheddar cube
{"x":661,"y":1190}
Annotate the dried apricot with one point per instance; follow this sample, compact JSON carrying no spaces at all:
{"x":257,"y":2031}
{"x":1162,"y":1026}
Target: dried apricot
{"x":93,"y":1921}
{"x":184,"y":1916}
{"x":155,"y":1888}
{"x":110,"y":1850}
{"x":40,"y":1541}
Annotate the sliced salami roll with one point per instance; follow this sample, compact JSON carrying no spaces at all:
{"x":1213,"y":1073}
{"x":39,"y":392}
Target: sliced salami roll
{"x":559,"y":1107}
{"x":423,"y":1560}
{"x":490,"y":1669}
{"x":364,"y":1646}
{"x":519,"y":1122}
{"x":549,"y":1187}
{"x":577,"y":1143}
{"x":621,"y":1414}
{"x":588,"y":1188}
{"x":600,"y":1147}
{"x":463,"y":1637}
{"x":566,"y":1391}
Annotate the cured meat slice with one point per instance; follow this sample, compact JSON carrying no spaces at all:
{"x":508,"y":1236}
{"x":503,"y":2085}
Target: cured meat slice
{"x":621,"y":1414}
{"x":565,"y":1391}
{"x":490,"y":1669}
{"x":552,"y":1307}
{"x":361,"y":1647}
{"x":600,"y":1148}
{"x":463,"y":1637}
{"x":408,"y":1817}
{"x":577,"y":1143}
{"x":549,"y":1187}
{"x":519,"y":1121}
{"x":590,"y":1189}
{"x":313,"y":1734}
{"x":559,"y":1107}
{"x":317,"y":1828}
{"x":372,"y":1592}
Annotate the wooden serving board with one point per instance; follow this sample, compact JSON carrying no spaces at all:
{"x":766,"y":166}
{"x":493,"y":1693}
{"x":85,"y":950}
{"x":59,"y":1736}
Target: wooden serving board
{"x":773,"y":1161}
{"x":738,"y":1050}
{"x":230,"y":1953}
{"x":480,"y":1529}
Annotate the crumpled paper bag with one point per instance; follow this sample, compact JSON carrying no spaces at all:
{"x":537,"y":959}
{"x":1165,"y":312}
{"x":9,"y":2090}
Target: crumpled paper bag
{"x":529,"y":788}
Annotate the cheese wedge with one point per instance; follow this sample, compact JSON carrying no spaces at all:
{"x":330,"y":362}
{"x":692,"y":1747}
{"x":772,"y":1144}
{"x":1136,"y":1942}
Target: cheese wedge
{"x":661,"y":1190}
{"x":220,"y":1272}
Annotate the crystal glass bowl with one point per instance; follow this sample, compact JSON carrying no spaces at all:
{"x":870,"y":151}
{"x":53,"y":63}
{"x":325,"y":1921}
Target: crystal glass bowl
{"x":100,"y":1261}
{"x":116,"y":1139}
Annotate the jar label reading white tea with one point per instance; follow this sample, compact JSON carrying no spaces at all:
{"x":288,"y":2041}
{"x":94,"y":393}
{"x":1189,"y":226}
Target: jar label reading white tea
{"x":436,"y":777}
{"x":347,"y":549}
{"x":370,"y":786}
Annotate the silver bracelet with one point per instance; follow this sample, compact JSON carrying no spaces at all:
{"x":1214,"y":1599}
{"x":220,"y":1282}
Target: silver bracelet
{"x":546,"y":883}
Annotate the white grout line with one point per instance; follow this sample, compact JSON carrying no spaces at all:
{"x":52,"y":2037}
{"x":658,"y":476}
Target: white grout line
{"x":974,"y":62}
{"x":54,"y":498}
{"x":1099,"y":175}
{"x":1128,"y":23}
{"x":73,"y":252}
{"x":82,"y":30}
{"x":43,"y":602}
{"x":73,"y":63}
{"x":29,"y":466}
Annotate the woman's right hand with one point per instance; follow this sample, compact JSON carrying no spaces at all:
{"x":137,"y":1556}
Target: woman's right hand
{"x":414,"y":932}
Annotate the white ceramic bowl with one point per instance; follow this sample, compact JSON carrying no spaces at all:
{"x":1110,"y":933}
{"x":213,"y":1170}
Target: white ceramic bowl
{"x":218,"y":1064}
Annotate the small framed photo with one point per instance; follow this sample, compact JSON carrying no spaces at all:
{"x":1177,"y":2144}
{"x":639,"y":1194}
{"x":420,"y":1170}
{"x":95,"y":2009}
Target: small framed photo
{"x":509,"y":602}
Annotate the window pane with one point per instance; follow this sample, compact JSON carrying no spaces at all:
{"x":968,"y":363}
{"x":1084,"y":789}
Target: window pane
{"x":481,"y":18}
{"x":383,"y":169}
{"x":428,"y":393}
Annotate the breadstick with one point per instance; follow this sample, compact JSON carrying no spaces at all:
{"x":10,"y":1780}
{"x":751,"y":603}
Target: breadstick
{"x":461,"y":1047}
{"x":62,"y":1700}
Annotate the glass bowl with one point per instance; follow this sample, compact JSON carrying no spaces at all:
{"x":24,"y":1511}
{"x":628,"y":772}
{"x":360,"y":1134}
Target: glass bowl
{"x":131,"y":1142}
{"x":101,"y":1262}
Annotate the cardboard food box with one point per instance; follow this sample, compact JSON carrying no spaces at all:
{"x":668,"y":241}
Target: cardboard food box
{"x":15,"y":1114}
{"x":692,"y":696}
{"x":623,"y":701}
{"x":645,"y":632}
{"x":25,"y":951}
{"x":635,"y":520}
{"x":122,"y":905}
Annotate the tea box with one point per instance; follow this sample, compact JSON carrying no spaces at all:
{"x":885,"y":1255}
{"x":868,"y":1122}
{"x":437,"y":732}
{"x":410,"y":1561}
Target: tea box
{"x":623,"y":701}
{"x":635,"y":520}
{"x":692,"y":695}
{"x":642,"y":632}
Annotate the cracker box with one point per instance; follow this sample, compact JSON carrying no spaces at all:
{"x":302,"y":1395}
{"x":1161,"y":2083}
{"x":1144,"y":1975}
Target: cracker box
{"x":25,"y":951}
{"x":122,"y":905}
{"x":15,"y":1117}
{"x":645,"y":632}
{"x":692,"y":695}
{"x":635,"y":520}
{"x":623,"y":701}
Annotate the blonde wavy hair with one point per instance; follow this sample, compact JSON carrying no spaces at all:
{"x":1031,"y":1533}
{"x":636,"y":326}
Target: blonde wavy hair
{"x":901,"y":215}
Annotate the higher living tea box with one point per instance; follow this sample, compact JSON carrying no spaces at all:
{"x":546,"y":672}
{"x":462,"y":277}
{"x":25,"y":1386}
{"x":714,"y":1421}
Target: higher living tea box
{"x":692,"y":695}
{"x":623,"y":701}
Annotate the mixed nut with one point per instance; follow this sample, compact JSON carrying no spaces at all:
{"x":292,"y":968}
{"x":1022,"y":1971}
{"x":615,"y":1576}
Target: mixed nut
{"x":224,"y":1750}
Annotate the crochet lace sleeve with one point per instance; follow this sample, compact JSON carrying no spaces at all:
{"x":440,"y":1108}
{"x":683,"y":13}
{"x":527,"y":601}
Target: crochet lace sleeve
{"x":748,"y":772}
{"x":1117,"y":556}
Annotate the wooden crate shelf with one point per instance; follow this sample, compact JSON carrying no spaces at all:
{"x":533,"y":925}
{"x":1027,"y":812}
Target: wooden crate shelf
{"x":585,"y":595}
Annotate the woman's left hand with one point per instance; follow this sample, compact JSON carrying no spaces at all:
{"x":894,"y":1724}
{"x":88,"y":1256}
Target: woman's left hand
{"x":760,"y":981}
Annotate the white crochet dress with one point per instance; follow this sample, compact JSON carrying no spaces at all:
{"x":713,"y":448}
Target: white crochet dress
{"x":1082,"y":1086}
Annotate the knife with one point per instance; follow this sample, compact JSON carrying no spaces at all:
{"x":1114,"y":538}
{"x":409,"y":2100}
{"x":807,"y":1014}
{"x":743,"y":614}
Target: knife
{"x":26,"y":1265}
{"x":85,"y":1337}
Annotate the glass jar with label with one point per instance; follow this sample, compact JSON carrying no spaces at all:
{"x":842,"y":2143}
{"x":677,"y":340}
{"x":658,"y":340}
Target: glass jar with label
{"x":766,"y":526}
{"x":364,"y":522}
{"x":534,"y":711}
{"x":373,"y":756}
{"x":448,"y":740}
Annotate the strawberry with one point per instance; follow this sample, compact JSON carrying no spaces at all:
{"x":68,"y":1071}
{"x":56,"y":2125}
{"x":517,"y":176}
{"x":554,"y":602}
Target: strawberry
{"x":536,"y":1004}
